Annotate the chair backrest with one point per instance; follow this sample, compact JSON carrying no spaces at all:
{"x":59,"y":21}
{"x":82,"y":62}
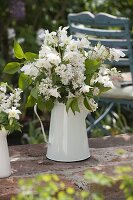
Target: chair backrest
{"x":110,"y":30}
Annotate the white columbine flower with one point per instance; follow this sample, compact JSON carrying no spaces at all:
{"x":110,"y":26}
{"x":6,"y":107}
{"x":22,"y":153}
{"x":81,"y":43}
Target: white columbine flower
{"x":103,"y":70}
{"x":43,"y":63}
{"x":72,"y":46}
{"x":13,"y":113}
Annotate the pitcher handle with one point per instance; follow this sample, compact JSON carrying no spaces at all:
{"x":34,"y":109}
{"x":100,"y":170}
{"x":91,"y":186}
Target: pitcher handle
{"x":42,"y":127}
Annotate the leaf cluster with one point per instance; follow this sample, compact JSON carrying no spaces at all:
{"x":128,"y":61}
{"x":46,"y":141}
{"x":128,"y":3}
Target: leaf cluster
{"x":12,"y":125}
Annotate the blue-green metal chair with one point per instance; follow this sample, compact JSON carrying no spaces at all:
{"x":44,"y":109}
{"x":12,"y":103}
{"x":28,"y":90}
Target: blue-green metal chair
{"x":114,"y":32}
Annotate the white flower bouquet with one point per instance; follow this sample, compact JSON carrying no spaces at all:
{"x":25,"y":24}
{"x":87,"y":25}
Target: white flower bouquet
{"x":9,"y":108}
{"x":66,"y":70}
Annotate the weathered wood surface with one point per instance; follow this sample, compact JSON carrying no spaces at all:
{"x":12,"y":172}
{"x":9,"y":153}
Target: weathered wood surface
{"x":29,"y":160}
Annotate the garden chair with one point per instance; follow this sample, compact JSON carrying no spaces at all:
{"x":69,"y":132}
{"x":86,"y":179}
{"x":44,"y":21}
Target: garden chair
{"x":113,"y":32}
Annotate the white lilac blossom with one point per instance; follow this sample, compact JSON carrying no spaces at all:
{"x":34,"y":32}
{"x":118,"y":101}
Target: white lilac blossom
{"x":9,"y":107}
{"x":65,"y":70}
{"x":40,"y":36}
{"x":47,"y":89}
{"x":11,"y":33}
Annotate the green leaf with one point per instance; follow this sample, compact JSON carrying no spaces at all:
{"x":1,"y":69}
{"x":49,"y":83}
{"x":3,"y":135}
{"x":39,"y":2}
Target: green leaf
{"x":24,"y":81}
{"x":49,"y":104}
{"x":3,"y":118}
{"x":88,"y":78}
{"x":91,"y":66}
{"x":102,"y":88}
{"x":41,"y":103}
{"x":29,"y":56}
{"x":15,"y":126}
{"x":34,"y":93}
{"x":87,"y":104}
{"x":75,"y":106}
{"x":12,"y":67}
{"x":18,"y":51}
{"x":68,"y":104}
{"x":30,"y":101}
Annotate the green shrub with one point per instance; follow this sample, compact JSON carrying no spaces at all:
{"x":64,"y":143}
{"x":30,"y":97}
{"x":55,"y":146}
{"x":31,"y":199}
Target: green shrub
{"x":50,"y":187}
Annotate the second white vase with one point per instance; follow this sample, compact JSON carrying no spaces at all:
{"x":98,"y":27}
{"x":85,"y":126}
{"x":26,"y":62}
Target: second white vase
{"x":5,"y":168}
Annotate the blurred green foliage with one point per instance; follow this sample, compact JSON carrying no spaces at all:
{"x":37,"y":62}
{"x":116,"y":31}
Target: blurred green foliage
{"x":116,"y":122}
{"x":23,"y":19}
{"x":33,"y":135}
{"x":50,"y":187}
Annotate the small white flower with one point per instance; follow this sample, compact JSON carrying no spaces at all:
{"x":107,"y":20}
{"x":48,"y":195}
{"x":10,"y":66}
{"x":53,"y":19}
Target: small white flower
{"x":3,"y":88}
{"x":115,"y":54}
{"x":26,"y":69}
{"x":20,"y":40}
{"x":54,"y":59}
{"x":13,"y":113}
{"x":53,"y":92}
{"x":63,"y":38}
{"x":85,"y":88}
{"x":30,"y":69}
{"x":96,"y":91}
{"x":40,"y":36}
{"x":44,"y":51}
{"x":50,"y":38}
{"x":93,"y":104}
{"x":11,"y":33}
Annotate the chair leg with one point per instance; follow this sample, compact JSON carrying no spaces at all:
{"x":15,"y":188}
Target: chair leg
{"x":96,"y":122}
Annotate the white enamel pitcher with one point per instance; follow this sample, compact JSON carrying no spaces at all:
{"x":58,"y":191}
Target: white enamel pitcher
{"x":68,"y":140}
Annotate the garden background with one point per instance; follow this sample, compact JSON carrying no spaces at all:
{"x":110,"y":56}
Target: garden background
{"x":26,"y":21}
